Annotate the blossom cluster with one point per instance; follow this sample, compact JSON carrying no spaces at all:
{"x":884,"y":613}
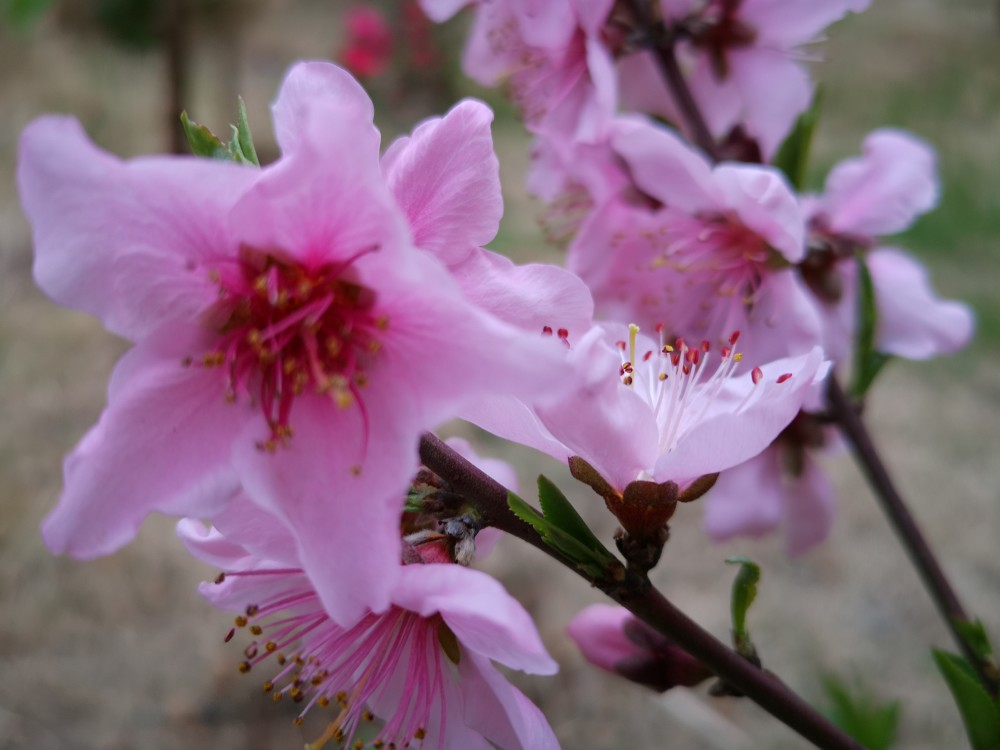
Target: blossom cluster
{"x":296,"y":328}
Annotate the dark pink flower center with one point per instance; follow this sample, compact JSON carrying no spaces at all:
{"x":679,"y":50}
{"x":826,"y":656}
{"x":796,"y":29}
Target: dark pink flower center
{"x":286,"y":329}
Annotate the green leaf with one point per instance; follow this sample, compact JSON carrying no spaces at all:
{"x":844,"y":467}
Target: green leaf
{"x":586,"y":552}
{"x":862,"y":715}
{"x":793,"y":155}
{"x":241,"y":146}
{"x":203,"y":141}
{"x":980,"y":712}
{"x":23,"y":14}
{"x":974,"y":634}
{"x":867,"y":362}
{"x":744,"y":592}
{"x":561,"y":513}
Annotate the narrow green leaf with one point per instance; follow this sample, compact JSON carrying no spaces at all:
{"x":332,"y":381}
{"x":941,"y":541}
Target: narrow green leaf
{"x":744,"y":592}
{"x":561,"y":513}
{"x":867,"y":362}
{"x":592,"y":558}
{"x":203,"y":141}
{"x":242,"y":143}
{"x":862,"y":715}
{"x":793,"y":154}
{"x":980,"y":712}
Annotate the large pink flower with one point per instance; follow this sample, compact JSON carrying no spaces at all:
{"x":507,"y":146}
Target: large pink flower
{"x":289,"y":337}
{"x":880,"y":193}
{"x":743,"y":62}
{"x":422,"y":666}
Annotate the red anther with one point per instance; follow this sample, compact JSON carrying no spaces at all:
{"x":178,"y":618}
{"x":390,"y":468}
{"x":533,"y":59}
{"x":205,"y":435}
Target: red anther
{"x":734,"y":337}
{"x":646,"y":357}
{"x":229,"y":635}
{"x":706,"y":346}
{"x":692,"y":356}
{"x":547,"y":331}
{"x":660,"y":327}
{"x":675,"y":358}
{"x":757,"y":375}
{"x":562,"y":333}
{"x":725,"y":352}
{"x":783,"y":378}
{"x":686,"y":369}
{"x":627,"y":380}
{"x":250,"y":651}
{"x":621,"y":345}
{"x":680,"y":344}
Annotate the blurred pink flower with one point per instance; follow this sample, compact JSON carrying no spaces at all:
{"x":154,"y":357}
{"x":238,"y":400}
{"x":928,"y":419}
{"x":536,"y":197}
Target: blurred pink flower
{"x":369,"y":42}
{"x":882,"y":192}
{"x":613,"y":639}
{"x":422,"y":665}
{"x":743,"y":61}
{"x":289,"y":337}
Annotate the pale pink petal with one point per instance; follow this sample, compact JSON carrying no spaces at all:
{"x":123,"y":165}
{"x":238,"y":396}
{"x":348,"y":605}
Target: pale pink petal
{"x":263,"y":535}
{"x":809,"y":508}
{"x":130,"y":242}
{"x":514,"y":420}
{"x":598,"y":632}
{"x":345,"y":520}
{"x":749,"y":417}
{"x":327,"y":200}
{"x":500,"y":711}
{"x":643,"y":89}
{"x":774,"y":88}
{"x":207,"y":544}
{"x":440,"y":11}
{"x":764,"y":202}
{"x":663,"y":166}
{"x":483,"y":616}
{"x":789,"y":23}
{"x":883,"y":191}
{"x":493,"y":49}
{"x":592,"y":14}
{"x":747,"y":500}
{"x":446,"y":179}
{"x":162,"y":444}
{"x":309,"y":83}
{"x":912,"y":321}
{"x":548,"y":24}
{"x":720,"y":101}
{"x":530,"y":296}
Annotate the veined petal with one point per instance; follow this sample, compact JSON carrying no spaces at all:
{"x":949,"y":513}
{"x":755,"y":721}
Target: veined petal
{"x":130,"y":242}
{"x":747,"y":500}
{"x":483,"y":616}
{"x":446,"y":179}
{"x":809,"y":506}
{"x":763,"y":201}
{"x":309,"y":83}
{"x":162,"y":444}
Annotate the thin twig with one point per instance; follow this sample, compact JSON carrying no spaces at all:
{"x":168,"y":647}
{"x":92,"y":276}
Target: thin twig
{"x":645,"y":602}
{"x":905,"y":525}
{"x":663,"y":47}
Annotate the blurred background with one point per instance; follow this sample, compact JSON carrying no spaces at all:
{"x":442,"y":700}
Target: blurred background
{"x":121,"y":653}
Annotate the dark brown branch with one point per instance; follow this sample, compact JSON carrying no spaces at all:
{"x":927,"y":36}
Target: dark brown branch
{"x":645,"y":602}
{"x":905,"y":525}
{"x":662,"y":44}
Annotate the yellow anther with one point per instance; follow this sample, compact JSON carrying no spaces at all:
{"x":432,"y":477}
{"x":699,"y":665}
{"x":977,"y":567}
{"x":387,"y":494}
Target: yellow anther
{"x":738,"y":357}
{"x":240,"y":621}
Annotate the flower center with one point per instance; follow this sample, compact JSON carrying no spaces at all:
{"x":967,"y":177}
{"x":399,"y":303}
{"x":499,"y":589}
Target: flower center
{"x":395,"y":655}
{"x":678,"y":380}
{"x":286,"y":329}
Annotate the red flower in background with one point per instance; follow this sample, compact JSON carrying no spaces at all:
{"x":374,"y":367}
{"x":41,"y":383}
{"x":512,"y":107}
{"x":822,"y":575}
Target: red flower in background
{"x":369,"y":41}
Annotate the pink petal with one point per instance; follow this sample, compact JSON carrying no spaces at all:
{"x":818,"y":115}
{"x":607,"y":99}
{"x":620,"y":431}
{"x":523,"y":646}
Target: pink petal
{"x":913,"y":322}
{"x":883,"y":191}
{"x":310,"y":83}
{"x":809,"y":508}
{"x":162,"y":444}
{"x":790,"y":23}
{"x":343,"y":521}
{"x":663,"y":166}
{"x":484,"y":617}
{"x":732,"y":436}
{"x":440,"y":11}
{"x":764,"y":202}
{"x":498,"y":710}
{"x":747,"y":500}
{"x":598,"y":632}
{"x":130,"y":242}
{"x":208,"y":545}
{"x":326,"y":201}
{"x":548,"y":25}
{"x":446,"y":179}
{"x":774,"y":89}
